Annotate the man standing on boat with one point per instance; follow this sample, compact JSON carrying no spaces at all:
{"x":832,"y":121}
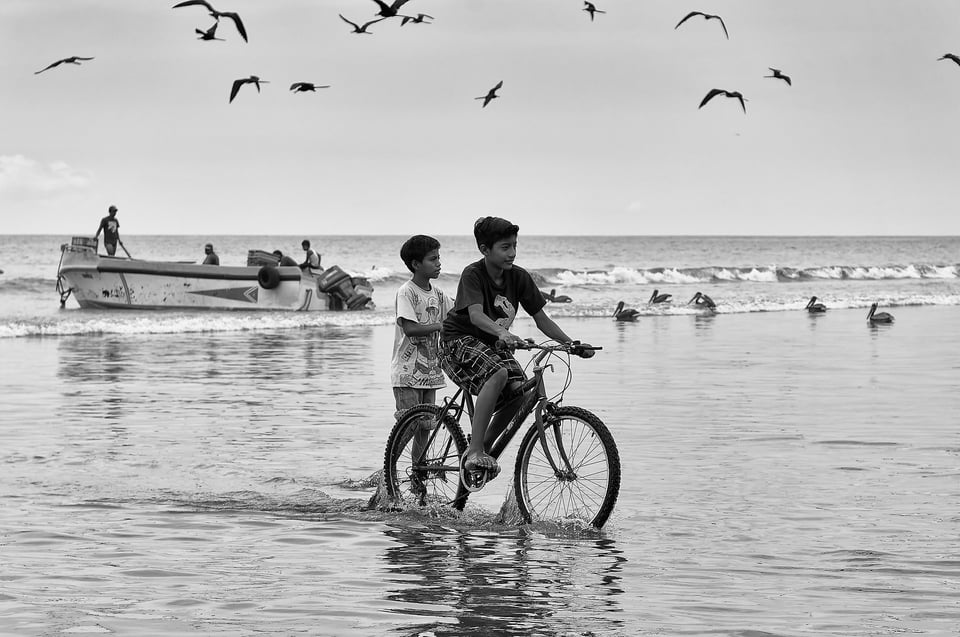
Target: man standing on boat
{"x":111,"y":231}
{"x":211,"y":258}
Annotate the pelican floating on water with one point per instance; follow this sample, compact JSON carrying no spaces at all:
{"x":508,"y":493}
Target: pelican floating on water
{"x":815,"y":308}
{"x":563,"y":298}
{"x":628,"y":314}
{"x":656,"y":297}
{"x":253,"y":79}
{"x":702,"y":300}
{"x":878,"y":317}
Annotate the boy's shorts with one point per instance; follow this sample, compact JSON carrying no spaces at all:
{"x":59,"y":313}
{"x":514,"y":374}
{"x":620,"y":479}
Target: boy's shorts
{"x":408,"y":397}
{"x":469,"y":362}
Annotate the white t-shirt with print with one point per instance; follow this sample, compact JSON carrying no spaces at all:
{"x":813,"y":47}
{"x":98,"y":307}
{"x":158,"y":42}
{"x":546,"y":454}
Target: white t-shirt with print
{"x":415,"y":361}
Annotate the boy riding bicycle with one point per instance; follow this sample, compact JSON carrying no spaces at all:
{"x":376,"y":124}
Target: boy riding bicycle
{"x":488,"y":295}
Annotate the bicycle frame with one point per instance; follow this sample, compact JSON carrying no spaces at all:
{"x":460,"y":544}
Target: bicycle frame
{"x":534,"y":400}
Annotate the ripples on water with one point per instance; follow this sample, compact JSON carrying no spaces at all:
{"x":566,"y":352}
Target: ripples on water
{"x":784,"y":475}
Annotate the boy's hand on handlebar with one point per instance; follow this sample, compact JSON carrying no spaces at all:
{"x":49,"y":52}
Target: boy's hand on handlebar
{"x":583,"y":350}
{"x":511,"y":341}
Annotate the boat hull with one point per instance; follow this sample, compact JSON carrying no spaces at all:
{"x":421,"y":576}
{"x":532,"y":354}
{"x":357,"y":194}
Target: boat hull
{"x":104,"y":282}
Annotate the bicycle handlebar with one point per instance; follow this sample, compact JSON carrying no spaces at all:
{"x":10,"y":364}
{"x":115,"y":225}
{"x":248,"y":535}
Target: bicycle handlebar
{"x":575,"y":347}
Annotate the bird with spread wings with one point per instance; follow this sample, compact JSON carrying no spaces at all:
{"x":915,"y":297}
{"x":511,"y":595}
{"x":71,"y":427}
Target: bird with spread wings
{"x":216,"y":14}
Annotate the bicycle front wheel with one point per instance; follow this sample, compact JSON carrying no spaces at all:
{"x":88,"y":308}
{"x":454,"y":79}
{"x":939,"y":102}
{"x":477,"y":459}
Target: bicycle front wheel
{"x":586,"y":482}
{"x":421,"y":465}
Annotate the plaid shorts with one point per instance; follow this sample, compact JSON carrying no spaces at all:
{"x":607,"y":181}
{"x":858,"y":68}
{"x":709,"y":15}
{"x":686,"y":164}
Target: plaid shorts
{"x":469,"y":362}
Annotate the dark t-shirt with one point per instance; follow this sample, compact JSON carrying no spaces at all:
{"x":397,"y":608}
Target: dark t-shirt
{"x":499,"y":303}
{"x":111,"y":229}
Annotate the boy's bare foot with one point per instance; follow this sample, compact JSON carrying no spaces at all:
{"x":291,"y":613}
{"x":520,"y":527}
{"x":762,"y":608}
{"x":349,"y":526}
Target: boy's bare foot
{"x":478,"y":460}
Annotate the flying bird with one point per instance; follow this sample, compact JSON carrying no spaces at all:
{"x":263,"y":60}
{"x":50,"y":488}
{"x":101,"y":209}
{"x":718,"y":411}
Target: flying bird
{"x":656,"y":297}
{"x":491,"y":94}
{"x":778,"y":74}
{"x":417,"y":19}
{"x":361,"y":29}
{"x":75,"y":59}
{"x":390,"y":10}
{"x":591,"y":8}
{"x":209,"y":34}
{"x":719,"y":91}
{"x":253,"y":79}
{"x":621,"y":314}
{"x":815,"y":308}
{"x":706,"y":16}
{"x":303,"y":87}
{"x":949,"y":56}
{"x":216,"y":14}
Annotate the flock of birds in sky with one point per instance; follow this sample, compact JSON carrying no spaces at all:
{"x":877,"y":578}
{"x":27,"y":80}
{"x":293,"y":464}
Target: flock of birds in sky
{"x":704,"y":302}
{"x":392,"y":10}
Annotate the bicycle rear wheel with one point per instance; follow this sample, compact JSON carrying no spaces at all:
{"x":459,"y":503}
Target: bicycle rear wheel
{"x":589,"y":490}
{"x":421,"y":465}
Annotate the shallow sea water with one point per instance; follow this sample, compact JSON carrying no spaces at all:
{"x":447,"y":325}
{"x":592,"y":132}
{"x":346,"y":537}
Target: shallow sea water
{"x":783,"y":475}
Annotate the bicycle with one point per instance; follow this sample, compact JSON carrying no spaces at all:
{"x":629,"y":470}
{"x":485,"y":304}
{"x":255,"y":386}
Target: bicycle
{"x":567,"y":464}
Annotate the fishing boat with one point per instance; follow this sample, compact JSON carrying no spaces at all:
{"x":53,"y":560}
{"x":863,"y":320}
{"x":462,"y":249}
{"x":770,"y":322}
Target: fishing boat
{"x":105,"y":282}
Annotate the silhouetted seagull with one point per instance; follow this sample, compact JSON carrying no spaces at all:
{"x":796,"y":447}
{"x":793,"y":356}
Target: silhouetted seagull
{"x":706,"y":16}
{"x":878,"y":317}
{"x":491,"y":94}
{"x":216,"y":14}
{"x":390,"y":10}
{"x":417,"y":19}
{"x":361,"y":29}
{"x":70,"y":60}
{"x":591,"y":8}
{"x":209,"y":34}
{"x":656,"y":297}
{"x":779,"y":75}
{"x":253,"y":79}
{"x":622,"y":314}
{"x":949,"y":56}
{"x":719,"y":91}
{"x":815,"y":308}
{"x":303,"y":87}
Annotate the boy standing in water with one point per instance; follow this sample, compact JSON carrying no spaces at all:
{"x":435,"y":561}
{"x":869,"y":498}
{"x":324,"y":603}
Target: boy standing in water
{"x":421,"y":306}
{"x":488,"y":296}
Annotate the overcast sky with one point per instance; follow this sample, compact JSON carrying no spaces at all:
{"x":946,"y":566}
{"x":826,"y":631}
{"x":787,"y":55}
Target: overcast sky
{"x":597,"y":129}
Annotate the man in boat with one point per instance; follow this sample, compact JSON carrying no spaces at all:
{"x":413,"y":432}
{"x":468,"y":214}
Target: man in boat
{"x":111,"y":231}
{"x":211,"y":258}
{"x":284,"y":259}
{"x":312,"y":260}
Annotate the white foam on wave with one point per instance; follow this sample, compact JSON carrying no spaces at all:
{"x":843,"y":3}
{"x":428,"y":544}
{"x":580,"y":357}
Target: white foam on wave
{"x":170,"y":323}
{"x":623,"y":276}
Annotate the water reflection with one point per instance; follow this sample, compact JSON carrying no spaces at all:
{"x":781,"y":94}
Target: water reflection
{"x":479,"y":582}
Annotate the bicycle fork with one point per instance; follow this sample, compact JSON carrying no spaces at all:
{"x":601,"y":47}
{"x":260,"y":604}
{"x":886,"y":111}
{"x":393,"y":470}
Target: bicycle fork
{"x":566,"y":473}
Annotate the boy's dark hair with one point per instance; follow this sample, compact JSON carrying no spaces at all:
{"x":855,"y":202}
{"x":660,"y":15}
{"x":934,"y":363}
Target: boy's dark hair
{"x":489,"y":230}
{"x":305,"y":243}
{"x":416,"y":248}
